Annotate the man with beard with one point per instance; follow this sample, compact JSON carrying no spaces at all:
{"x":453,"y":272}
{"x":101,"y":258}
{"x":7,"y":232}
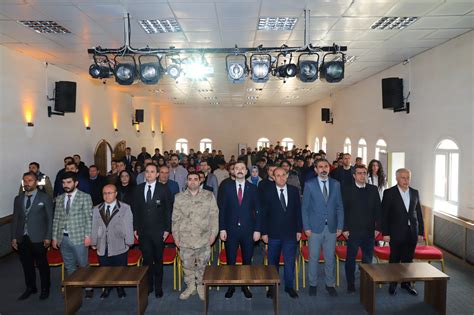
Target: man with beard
{"x":177,"y":172}
{"x":195,"y":227}
{"x":72,"y":225}
{"x":238,"y":220}
{"x":58,"y":188}
{"x":164,"y":178}
{"x":31,"y":234}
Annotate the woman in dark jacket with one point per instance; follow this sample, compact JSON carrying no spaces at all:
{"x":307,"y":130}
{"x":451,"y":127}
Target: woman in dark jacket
{"x":125,"y":187}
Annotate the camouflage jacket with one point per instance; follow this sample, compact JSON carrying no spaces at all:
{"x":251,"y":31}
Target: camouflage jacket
{"x":195,"y":219}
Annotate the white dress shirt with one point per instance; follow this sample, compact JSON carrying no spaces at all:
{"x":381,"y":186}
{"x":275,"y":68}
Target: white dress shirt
{"x":285,"y":193}
{"x":152,"y":188}
{"x":406,"y":199}
{"x":237,"y":187}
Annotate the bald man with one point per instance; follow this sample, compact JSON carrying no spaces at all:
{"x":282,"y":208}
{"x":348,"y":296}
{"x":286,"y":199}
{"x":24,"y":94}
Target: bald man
{"x":402,"y":223}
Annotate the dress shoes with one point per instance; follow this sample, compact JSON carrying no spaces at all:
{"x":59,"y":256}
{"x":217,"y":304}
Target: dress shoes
{"x":270,"y":293}
{"x":392,"y":288}
{"x":313,"y":291}
{"x":121,"y":292}
{"x":27,"y":293}
{"x":105,"y":293}
{"x":230,"y":292}
{"x":44,"y":294}
{"x":247,"y":292}
{"x":89,"y":294}
{"x":150,"y":289}
{"x":291,"y":292}
{"x":159,"y":293}
{"x":351,"y":289}
{"x":409,"y":289}
{"x":332,"y":291}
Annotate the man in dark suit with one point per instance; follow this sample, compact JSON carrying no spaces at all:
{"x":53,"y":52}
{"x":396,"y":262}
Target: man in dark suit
{"x":362,"y":213}
{"x":128,"y":158}
{"x":402,"y":223}
{"x":323,"y":217}
{"x":142,"y":156}
{"x":96,"y":183}
{"x":238,"y":220}
{"x":281,"y":225}
{"x":344,"y":173}
{"x":31,"y":234}
{"x":152,"y":206}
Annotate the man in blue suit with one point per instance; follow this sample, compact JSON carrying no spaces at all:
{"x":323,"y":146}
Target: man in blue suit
{"x":323,"y":219}
{"x":238,"y":220}
{"x":281,"y":225}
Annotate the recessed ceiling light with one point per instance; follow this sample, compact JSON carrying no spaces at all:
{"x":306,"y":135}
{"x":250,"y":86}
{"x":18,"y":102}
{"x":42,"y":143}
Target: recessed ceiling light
{"x":160,"y":26}
{"x":214,"y":103}
{"x":205,"y":90}
{"x":393,"y":22}
{"x":276,"y":23}
{"x":161,"y":91}
{"x":252,"y":97}
{"x":249,"y":103}
{"x":210,"y":97}
{"x":49,"y":27}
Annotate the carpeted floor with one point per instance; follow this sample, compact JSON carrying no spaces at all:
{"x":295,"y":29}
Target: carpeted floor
{"x":460,"y":297}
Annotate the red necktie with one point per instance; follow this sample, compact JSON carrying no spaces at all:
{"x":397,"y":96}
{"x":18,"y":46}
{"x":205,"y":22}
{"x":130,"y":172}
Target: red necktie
{"x":240,"y":195}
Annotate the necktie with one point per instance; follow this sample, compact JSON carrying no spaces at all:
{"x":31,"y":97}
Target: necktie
{"x":325,"y":191}
{"x":148,"y":194}
{"x":28,"y":202}
{"x":240,"y":194}
{"x":107,"y":214}
{"x":282,"y":199}
{"x":68,"y":204}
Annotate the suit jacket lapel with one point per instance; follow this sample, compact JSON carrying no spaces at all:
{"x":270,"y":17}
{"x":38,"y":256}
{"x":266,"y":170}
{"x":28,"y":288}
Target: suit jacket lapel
{"x":412,"y":201}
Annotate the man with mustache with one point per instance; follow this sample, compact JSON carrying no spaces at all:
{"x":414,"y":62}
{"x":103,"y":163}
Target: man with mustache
{"x":323,"y":218}
{"x":238,"y":220}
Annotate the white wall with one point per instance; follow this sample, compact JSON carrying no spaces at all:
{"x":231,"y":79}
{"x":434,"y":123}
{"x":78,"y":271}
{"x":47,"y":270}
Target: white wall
{"x":229,"y":126}
{"x":442,"y":86}
{"x":24,"y":83}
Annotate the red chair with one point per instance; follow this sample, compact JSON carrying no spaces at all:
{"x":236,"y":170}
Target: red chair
{"x":171,"y":257}
{"x":222,"y":259}
{"x":429,"y":253}
{"x":304,"y":254}
{"x":134,"y":254}
{"x":92,"y":257}
{"x":55,"y":260}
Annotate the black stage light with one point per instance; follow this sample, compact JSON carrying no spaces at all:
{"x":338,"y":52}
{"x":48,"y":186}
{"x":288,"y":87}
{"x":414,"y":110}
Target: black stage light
{"x":236,"y":67}
{"x":101,"y":68}
{"x":125,"y":72}
{"x":150,"y":72}
{"x":332,"y":71}
{"x":261,"y":66}
{"x":308,"y":69}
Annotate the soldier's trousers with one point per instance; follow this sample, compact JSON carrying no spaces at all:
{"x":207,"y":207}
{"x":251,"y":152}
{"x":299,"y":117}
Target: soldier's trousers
{"x":194,"y":262}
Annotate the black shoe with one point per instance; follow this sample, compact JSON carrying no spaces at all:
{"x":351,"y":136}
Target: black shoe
{"x":159,"y":293}
{"x":121,"y":292}
{"x":409,"y":288}
{"x":44,"y":294}
{"x":105,"y":293}
{"x":351,"y":289}
{"x":150,"y":289}
{"x":313,"y":291}
{"x":291,"y":292}
{"x":392,"y":288}
{"x":89,"y":294}
{"x":230,"y":292}
{"x":247,"y":292}
{"x":331,"y":290}
{"x":27,"y":293}
{"x":270,"y":293}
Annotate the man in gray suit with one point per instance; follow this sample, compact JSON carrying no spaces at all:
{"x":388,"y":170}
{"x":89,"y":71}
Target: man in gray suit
{"x":31,"y":234}
{"x":323,"y":218}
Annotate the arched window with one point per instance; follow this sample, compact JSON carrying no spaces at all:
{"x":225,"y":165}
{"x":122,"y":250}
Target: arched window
{"x":324,"y":145}
{"x":205,"y":144}
{"x":347,"y":146}
{"x":317,"y":145}
{"x":447,"y":176}
{"x":380,"y":147}
{"x":263,"y":143}
{"x":288,"y":143}
{"x":182,"y":146}
{"x":362,"y":150}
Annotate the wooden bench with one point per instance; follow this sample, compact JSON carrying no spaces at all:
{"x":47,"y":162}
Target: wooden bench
{"x":252,"y":275}
{"x":105,"y":277}
{"x":373,"y":274}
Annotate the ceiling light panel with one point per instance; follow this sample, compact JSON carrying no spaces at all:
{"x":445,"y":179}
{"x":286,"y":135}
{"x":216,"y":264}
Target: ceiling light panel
{"x":160,"y":26}
{"x":276,"y":23}
{"x":393,"y":22}
{"x":48,"y":27}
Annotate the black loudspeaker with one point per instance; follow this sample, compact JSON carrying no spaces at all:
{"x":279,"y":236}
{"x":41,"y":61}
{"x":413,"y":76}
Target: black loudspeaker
{"x":325,"y":114}
{"x":392,"y":93}
{"x":139,"y":114}
{"x":65,"y":97}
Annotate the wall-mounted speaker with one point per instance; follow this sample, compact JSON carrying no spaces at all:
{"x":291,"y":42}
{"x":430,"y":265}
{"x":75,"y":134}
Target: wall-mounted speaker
{"x":325,"y":114}
{"x":139,"y":115}
{"x":65,"y":97}
{"x":392,"y":93}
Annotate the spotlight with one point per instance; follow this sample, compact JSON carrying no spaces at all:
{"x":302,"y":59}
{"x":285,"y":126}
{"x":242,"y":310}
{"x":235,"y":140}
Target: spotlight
{"x":197,"y":68}
{"x":261,"y":66}
{"x":308,"y":69}
{"x":286,"y":70}
{"x":150,"y":72}
{"x":236,"y":67}
{"x":174,"y":71}
{"x":125,"y":72}
{"x":100,"y":69}
{"x":332,"y":71}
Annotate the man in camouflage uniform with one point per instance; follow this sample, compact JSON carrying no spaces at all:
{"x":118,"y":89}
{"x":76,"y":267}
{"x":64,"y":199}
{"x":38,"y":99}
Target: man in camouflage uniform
{"x":195,"y":223}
